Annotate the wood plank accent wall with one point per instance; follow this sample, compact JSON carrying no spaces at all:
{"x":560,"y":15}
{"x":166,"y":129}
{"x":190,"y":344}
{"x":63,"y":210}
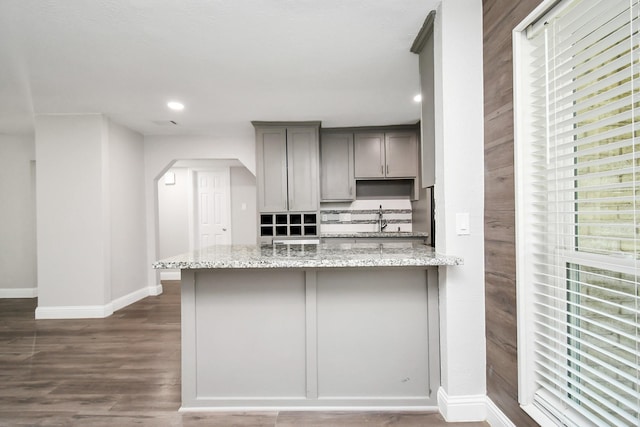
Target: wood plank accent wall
{"x":499,"y":19}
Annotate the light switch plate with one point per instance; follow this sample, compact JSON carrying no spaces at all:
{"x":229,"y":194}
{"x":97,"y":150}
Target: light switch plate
{"x":462,"y":224}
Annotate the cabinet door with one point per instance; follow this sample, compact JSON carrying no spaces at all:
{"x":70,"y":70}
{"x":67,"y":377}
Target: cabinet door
{"x":302,"y":155}
{"x":337,"y":181}
{"x":271,"y":168}
{"x":369,"y":155}
{"x":401,"y":153}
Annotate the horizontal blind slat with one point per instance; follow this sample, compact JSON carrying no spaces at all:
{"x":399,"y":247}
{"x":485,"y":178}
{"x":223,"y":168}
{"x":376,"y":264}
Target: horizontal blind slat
{"x":615,"y":261}
{"x":604,"y":303}
{"x":614,"y":329}
{"x":597,"y":162}
{"x":595,"y":99}
{"x":582,"y":77}
{"x":586,"y":356}
{"x":597,"y":112}
{"x":595,"y":88}
{"x":626,"y":394}
{"x":557,"y":385}
{"x":601,"y":188}
{"x":606,"y":342}
{"x":616,"y":414}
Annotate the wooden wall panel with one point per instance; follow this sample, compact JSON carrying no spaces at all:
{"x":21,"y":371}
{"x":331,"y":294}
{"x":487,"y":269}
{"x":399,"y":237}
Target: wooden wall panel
{"x":499,"y":19}
{"x":500,"y":196}
{"x":501,"y":226}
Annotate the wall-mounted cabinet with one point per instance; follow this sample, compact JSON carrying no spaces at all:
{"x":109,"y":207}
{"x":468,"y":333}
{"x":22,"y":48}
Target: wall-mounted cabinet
{"x":287,"y":178}
{"x":271,"y":168}
{"x":337,"y":179}
{"x":287,"y":167}
{"x":386,"y":155}
{"x":369,"y":162}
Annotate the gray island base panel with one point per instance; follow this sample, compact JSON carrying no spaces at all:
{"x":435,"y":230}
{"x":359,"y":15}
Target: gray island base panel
{"x":310,"y":329}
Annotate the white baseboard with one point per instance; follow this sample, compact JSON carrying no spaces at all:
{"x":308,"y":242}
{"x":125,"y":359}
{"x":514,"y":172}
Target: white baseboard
{"x":462,"y":408}
{"x":495,"y":417}
{"x":128,"y":299}
{"x":75,"y":312}
{"x":170,"y":275}
{"x":154,"y":291}
{"x":19,"y":293}
{"x":309,"y":408}
{"x":96,"y":311}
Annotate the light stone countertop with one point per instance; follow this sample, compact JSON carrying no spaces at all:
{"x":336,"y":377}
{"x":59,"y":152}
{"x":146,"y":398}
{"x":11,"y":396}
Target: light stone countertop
{"x":325,"y":255}
{"x":375,"y":234}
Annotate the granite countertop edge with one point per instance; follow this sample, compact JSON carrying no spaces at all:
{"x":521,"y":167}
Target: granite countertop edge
{"x":310,"y":256}
{"x":374,"y":234}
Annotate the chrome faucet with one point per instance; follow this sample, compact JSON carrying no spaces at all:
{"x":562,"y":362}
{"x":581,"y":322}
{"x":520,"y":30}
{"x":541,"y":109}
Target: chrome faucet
{"x":382,"y":223}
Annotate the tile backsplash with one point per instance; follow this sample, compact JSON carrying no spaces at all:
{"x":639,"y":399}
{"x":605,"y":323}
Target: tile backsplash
{"x":362,"y":216}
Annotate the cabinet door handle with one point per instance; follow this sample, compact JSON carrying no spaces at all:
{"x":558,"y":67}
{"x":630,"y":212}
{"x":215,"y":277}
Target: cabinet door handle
{"x":382,"y":169}
{"x":387,"y":169}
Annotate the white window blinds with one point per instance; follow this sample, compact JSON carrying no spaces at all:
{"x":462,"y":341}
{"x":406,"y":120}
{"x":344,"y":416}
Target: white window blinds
{"x":583,"y":232}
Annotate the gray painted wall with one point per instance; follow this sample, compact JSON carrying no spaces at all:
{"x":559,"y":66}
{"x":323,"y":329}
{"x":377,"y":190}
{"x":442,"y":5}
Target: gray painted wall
{"x":72,"y":211}
{"x":243,"y":207}
{"x":173,"y":214}
{"x":90,"y":216}
{"x":126,"y":187}
{"x":17,"y":216}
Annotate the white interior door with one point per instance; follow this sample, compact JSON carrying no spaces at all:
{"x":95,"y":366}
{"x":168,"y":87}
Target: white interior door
{"x":212,"y":225}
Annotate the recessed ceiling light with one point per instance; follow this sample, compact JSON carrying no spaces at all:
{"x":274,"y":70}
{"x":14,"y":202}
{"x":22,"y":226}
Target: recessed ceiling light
{"x":177,"y":106}
{"x":417,"y":98}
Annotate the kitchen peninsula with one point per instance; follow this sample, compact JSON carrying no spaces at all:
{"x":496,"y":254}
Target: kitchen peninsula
{"x":310,"y":325}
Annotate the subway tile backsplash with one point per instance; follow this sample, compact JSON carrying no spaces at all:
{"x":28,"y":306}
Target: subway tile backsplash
{"x":362,"y":216}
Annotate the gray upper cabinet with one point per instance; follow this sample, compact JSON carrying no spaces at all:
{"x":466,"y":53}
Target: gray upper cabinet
{"x":337,"y":180}
{"x":401,"y":154}
{"x":302,"y":164}
{"x":271,"y":168}
{"x":386,"y":155}
{"x":369,"y":152}
{"x":287,"y":167}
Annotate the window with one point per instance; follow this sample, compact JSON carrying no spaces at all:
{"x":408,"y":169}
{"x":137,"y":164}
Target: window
{"x":577,"y":108}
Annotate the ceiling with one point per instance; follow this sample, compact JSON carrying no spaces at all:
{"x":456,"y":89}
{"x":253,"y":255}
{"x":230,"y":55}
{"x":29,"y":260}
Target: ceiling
{"x":344,"y":62}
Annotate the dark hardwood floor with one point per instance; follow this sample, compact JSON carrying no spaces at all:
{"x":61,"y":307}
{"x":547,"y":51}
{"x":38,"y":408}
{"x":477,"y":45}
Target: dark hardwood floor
{"x":125,"y":370}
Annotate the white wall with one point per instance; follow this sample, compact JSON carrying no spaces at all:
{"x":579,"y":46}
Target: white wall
{"x":243,"y":207}
{"x":72,"y":213}
{"x":173,"y":214}
{"x":459,"y":188}
{"x":17,"y":217}
{"x":160,"y":153}
{"x":127,"y":221}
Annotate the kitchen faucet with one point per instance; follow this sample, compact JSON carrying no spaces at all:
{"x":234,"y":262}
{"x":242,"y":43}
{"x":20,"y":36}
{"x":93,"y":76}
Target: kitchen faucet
{"x":382,"y":223}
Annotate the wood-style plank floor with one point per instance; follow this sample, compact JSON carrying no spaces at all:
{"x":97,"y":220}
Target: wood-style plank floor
{"x":125,"y":370}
